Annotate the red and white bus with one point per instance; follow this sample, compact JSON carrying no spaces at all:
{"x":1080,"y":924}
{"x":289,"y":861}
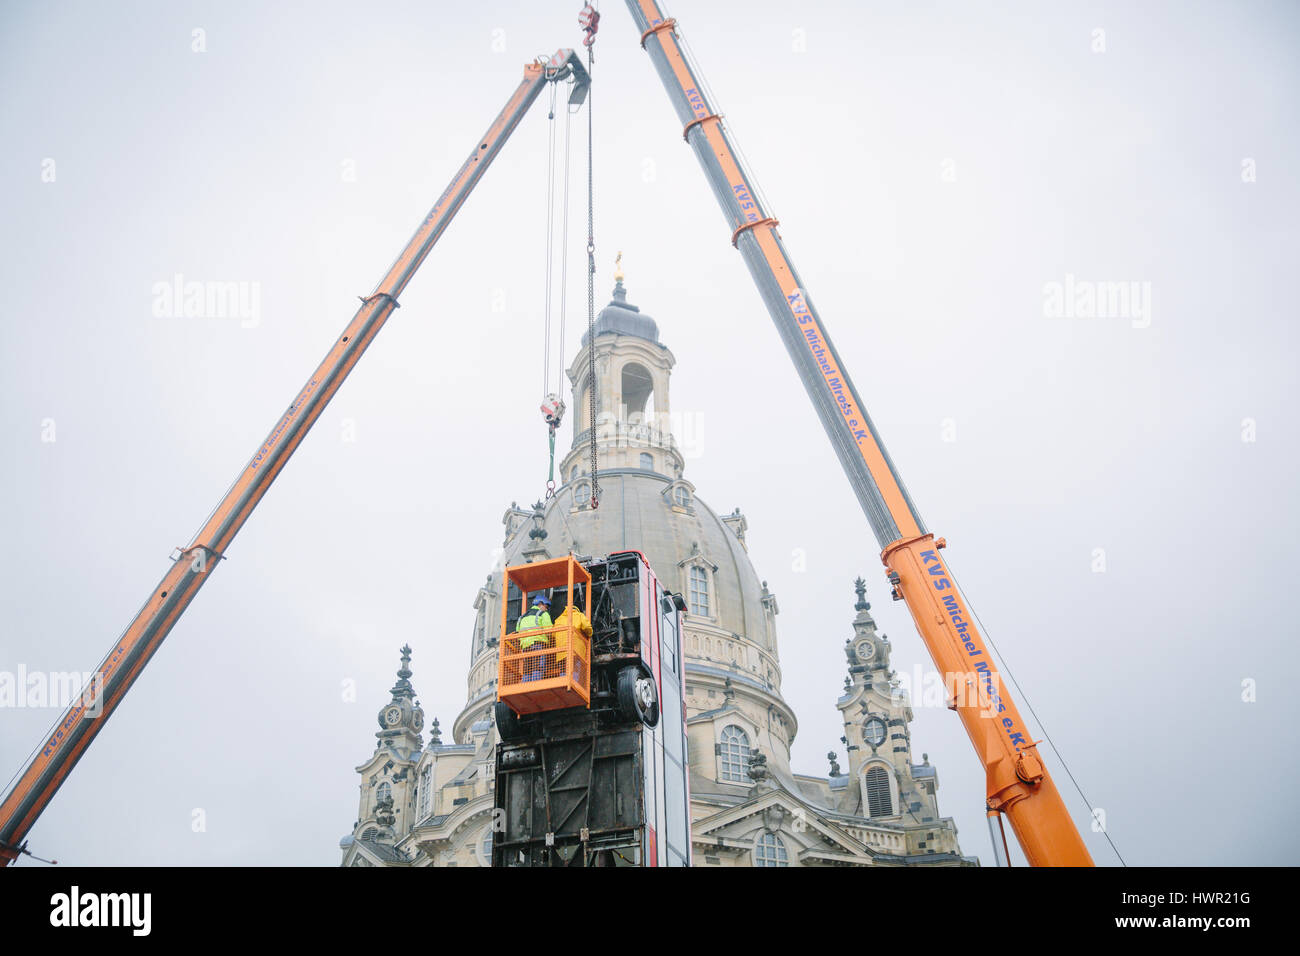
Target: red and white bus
{"x":601,"y":784}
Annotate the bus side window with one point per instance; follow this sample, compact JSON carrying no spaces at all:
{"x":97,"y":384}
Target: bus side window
{"x":669,"y":632}
{"x":670,"y":705}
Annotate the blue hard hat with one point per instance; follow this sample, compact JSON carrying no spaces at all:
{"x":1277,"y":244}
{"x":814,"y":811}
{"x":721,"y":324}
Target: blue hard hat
{"x":541,"y":599}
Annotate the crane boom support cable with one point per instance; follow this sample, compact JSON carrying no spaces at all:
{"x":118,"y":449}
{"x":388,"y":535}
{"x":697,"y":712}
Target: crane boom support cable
{"x":1024,"y":698}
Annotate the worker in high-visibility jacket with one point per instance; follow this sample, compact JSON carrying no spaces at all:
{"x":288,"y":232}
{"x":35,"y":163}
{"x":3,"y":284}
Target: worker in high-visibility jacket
{"x":538,"y":616}
{"x":573,"y":620}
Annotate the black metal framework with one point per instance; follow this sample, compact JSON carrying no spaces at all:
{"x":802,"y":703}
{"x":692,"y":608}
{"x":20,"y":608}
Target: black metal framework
{"x":573,"y":801}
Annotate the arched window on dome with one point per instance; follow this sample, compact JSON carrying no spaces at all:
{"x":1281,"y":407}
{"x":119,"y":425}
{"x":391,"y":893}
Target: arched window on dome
{"x":879,"y":792}
{"x":681,"y":496}
{"x":385,"y":792}
{"x":485,"y":846}
{"x":638,"y":394}
{"x":647,"y":461}
{"x":582,"y":495}
{"x":769,"y":850}
{"x":733,"y":755}
{"x":699,"y":591}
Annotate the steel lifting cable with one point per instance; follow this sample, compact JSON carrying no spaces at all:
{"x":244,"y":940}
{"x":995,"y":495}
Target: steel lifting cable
{"x":550,"y":243}
{"x":552,"y":403}
{"x":591,"y":295}
{"x":564,"y":257}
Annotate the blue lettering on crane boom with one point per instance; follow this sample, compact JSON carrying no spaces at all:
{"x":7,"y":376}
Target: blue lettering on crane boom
{"x":966,"y":635}
{"x":100,"y":682}
{"x":284,"y":423}
{"x":696,"y":102}
{"x":748,"y":207}
{"x":822,"y":355}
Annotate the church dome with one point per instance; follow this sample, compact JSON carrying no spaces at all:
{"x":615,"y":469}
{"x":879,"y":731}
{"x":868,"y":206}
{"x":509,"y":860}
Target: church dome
{"x":623,"y":318}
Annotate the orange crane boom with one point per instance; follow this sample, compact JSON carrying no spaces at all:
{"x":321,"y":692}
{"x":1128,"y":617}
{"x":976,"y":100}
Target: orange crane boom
{"x":1018,"y":784}
{"x":82,"y":721}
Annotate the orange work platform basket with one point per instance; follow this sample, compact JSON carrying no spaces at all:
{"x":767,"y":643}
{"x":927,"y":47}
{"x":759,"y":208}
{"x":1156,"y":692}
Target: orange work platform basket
{"x":546,"y":668}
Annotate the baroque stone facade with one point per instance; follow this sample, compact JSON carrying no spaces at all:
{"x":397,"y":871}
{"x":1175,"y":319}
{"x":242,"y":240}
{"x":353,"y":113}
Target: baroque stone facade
{"x":431,"y":805}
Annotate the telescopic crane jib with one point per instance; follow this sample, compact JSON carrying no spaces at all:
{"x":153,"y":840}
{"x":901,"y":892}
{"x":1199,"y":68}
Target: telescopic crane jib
{"x":80,"y":723}
{"x":1018,"y":783}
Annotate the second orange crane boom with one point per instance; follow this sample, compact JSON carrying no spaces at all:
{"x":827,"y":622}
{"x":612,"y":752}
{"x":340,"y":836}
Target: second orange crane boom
{"x":1018,"y":783}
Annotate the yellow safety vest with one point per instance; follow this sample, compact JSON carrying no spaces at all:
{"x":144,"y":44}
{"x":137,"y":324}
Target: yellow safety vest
{"x":536,"y":617}
{"x":575,"y":620}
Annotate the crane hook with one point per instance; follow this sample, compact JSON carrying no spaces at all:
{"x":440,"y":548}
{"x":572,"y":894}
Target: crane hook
{"x":553,"y":411}
{"x":589,"y":20}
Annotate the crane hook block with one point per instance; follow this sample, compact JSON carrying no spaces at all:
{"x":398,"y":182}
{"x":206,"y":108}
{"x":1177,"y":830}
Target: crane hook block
{"x":553,"y":410}
{"x":589,"y":20}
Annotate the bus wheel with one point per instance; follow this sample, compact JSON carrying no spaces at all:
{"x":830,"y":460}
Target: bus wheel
{"x":508,"y":724}
{"x":637,"y":697}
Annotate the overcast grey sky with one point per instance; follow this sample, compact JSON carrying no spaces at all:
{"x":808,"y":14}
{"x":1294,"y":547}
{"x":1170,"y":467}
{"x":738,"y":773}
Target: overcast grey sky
{"x":935,"y":167}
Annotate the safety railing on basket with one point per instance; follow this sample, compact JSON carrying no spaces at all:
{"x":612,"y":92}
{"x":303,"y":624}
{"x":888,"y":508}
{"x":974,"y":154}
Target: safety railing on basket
{"x":544,"y":653}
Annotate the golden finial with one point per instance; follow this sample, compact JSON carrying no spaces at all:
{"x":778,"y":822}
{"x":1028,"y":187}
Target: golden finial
{"x":618,"y":268}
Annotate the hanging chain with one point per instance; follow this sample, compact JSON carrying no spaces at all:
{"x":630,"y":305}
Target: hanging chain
{"x":591,"y":296}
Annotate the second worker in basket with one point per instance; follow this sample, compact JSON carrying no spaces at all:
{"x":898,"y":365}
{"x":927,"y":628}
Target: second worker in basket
{"x":574,"y":620}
